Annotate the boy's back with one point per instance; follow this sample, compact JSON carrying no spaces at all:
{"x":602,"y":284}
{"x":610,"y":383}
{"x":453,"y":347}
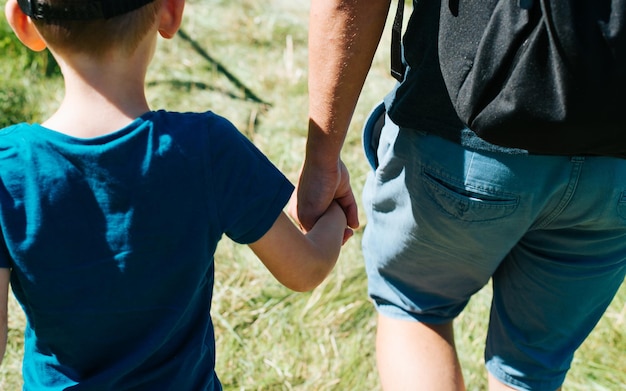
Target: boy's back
{"x":110,"y":213}
{"x":111,"y":242}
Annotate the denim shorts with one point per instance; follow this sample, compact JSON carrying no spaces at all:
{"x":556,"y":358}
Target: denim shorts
{"x":548,"y":231}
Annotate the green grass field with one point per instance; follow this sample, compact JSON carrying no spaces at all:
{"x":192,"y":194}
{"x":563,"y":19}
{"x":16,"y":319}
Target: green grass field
{"x":247,"y":61}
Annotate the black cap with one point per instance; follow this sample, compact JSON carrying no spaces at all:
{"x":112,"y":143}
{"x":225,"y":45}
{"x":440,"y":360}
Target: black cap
{"x":79,"y":10}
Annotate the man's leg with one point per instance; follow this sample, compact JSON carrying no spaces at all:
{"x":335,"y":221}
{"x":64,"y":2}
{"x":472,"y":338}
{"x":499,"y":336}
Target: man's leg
{"x":417,"y":356}
{"x":435,"y":234}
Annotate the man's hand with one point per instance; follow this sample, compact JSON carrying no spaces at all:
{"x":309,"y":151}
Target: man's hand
{"x":317,"y":188}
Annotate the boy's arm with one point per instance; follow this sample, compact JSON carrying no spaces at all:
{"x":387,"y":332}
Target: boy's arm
{"x":4,"y":298}
{"x":302,"y":261}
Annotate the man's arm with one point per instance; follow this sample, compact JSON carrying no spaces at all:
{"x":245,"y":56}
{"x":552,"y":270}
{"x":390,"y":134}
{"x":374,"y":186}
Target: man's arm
{"x":343,"y":38}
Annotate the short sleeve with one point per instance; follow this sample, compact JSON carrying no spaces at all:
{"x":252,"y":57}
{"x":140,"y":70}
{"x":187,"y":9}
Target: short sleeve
{"x":250,"y":192}
{"x":5,"y":259}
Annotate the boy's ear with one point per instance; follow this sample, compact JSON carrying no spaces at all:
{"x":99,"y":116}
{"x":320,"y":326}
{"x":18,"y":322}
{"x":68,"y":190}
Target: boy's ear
{"x":171,"y":17}
{"x":23,"y":27}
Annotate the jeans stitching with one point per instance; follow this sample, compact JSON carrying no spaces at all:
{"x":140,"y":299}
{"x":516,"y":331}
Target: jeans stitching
{"x":570,"y":189}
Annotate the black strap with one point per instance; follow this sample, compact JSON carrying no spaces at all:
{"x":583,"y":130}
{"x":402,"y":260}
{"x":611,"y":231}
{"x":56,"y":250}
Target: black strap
{"x":397,"y":67}
{"x":88,"y":10}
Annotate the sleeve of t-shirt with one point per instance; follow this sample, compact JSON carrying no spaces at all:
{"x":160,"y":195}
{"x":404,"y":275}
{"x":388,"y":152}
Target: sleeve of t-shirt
{"x":5,"y":259}
{"x":250,"y":192}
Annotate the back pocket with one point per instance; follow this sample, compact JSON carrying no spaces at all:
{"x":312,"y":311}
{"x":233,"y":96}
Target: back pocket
{"x":467,"y":202}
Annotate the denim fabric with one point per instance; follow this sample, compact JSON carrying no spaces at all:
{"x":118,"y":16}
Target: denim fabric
{"x":550,"y":231}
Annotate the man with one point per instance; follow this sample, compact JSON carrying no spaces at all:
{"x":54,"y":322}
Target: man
{"x":448,"y":211}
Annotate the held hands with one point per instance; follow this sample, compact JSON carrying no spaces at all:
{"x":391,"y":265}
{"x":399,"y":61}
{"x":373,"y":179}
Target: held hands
{"x":317,"y":189}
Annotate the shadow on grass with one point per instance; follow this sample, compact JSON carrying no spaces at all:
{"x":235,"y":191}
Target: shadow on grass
{"x":249,"y":95}
{"x":188,"y":85}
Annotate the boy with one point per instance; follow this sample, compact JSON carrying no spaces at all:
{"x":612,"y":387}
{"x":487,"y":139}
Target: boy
{"x":110,"y":213}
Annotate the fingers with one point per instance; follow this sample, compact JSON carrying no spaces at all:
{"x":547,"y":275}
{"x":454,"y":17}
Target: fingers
{"x":292,"y":207}
{"x":309,"y":209}
{"x":350,"y":208}
{"x":347,"y":234}
{"x":345,"y":197}
{"x":317,"y":188}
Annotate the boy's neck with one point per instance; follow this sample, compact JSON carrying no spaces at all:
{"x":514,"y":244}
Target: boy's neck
{"x":101,"y":95}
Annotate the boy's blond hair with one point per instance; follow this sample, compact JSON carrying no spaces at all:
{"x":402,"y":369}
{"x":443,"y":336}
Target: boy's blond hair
{"x":96,"y":37}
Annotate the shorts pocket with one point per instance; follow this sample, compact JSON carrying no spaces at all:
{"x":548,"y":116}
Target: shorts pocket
{"x":466,"y":202}
{"x":371,"y":134}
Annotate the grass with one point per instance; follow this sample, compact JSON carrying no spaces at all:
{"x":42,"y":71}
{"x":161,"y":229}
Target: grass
{"x":248,"y":63}
{"x":19,"y":92}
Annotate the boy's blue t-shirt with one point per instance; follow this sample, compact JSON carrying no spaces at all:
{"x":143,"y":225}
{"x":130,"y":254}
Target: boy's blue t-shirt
{"x":111,"y":243}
